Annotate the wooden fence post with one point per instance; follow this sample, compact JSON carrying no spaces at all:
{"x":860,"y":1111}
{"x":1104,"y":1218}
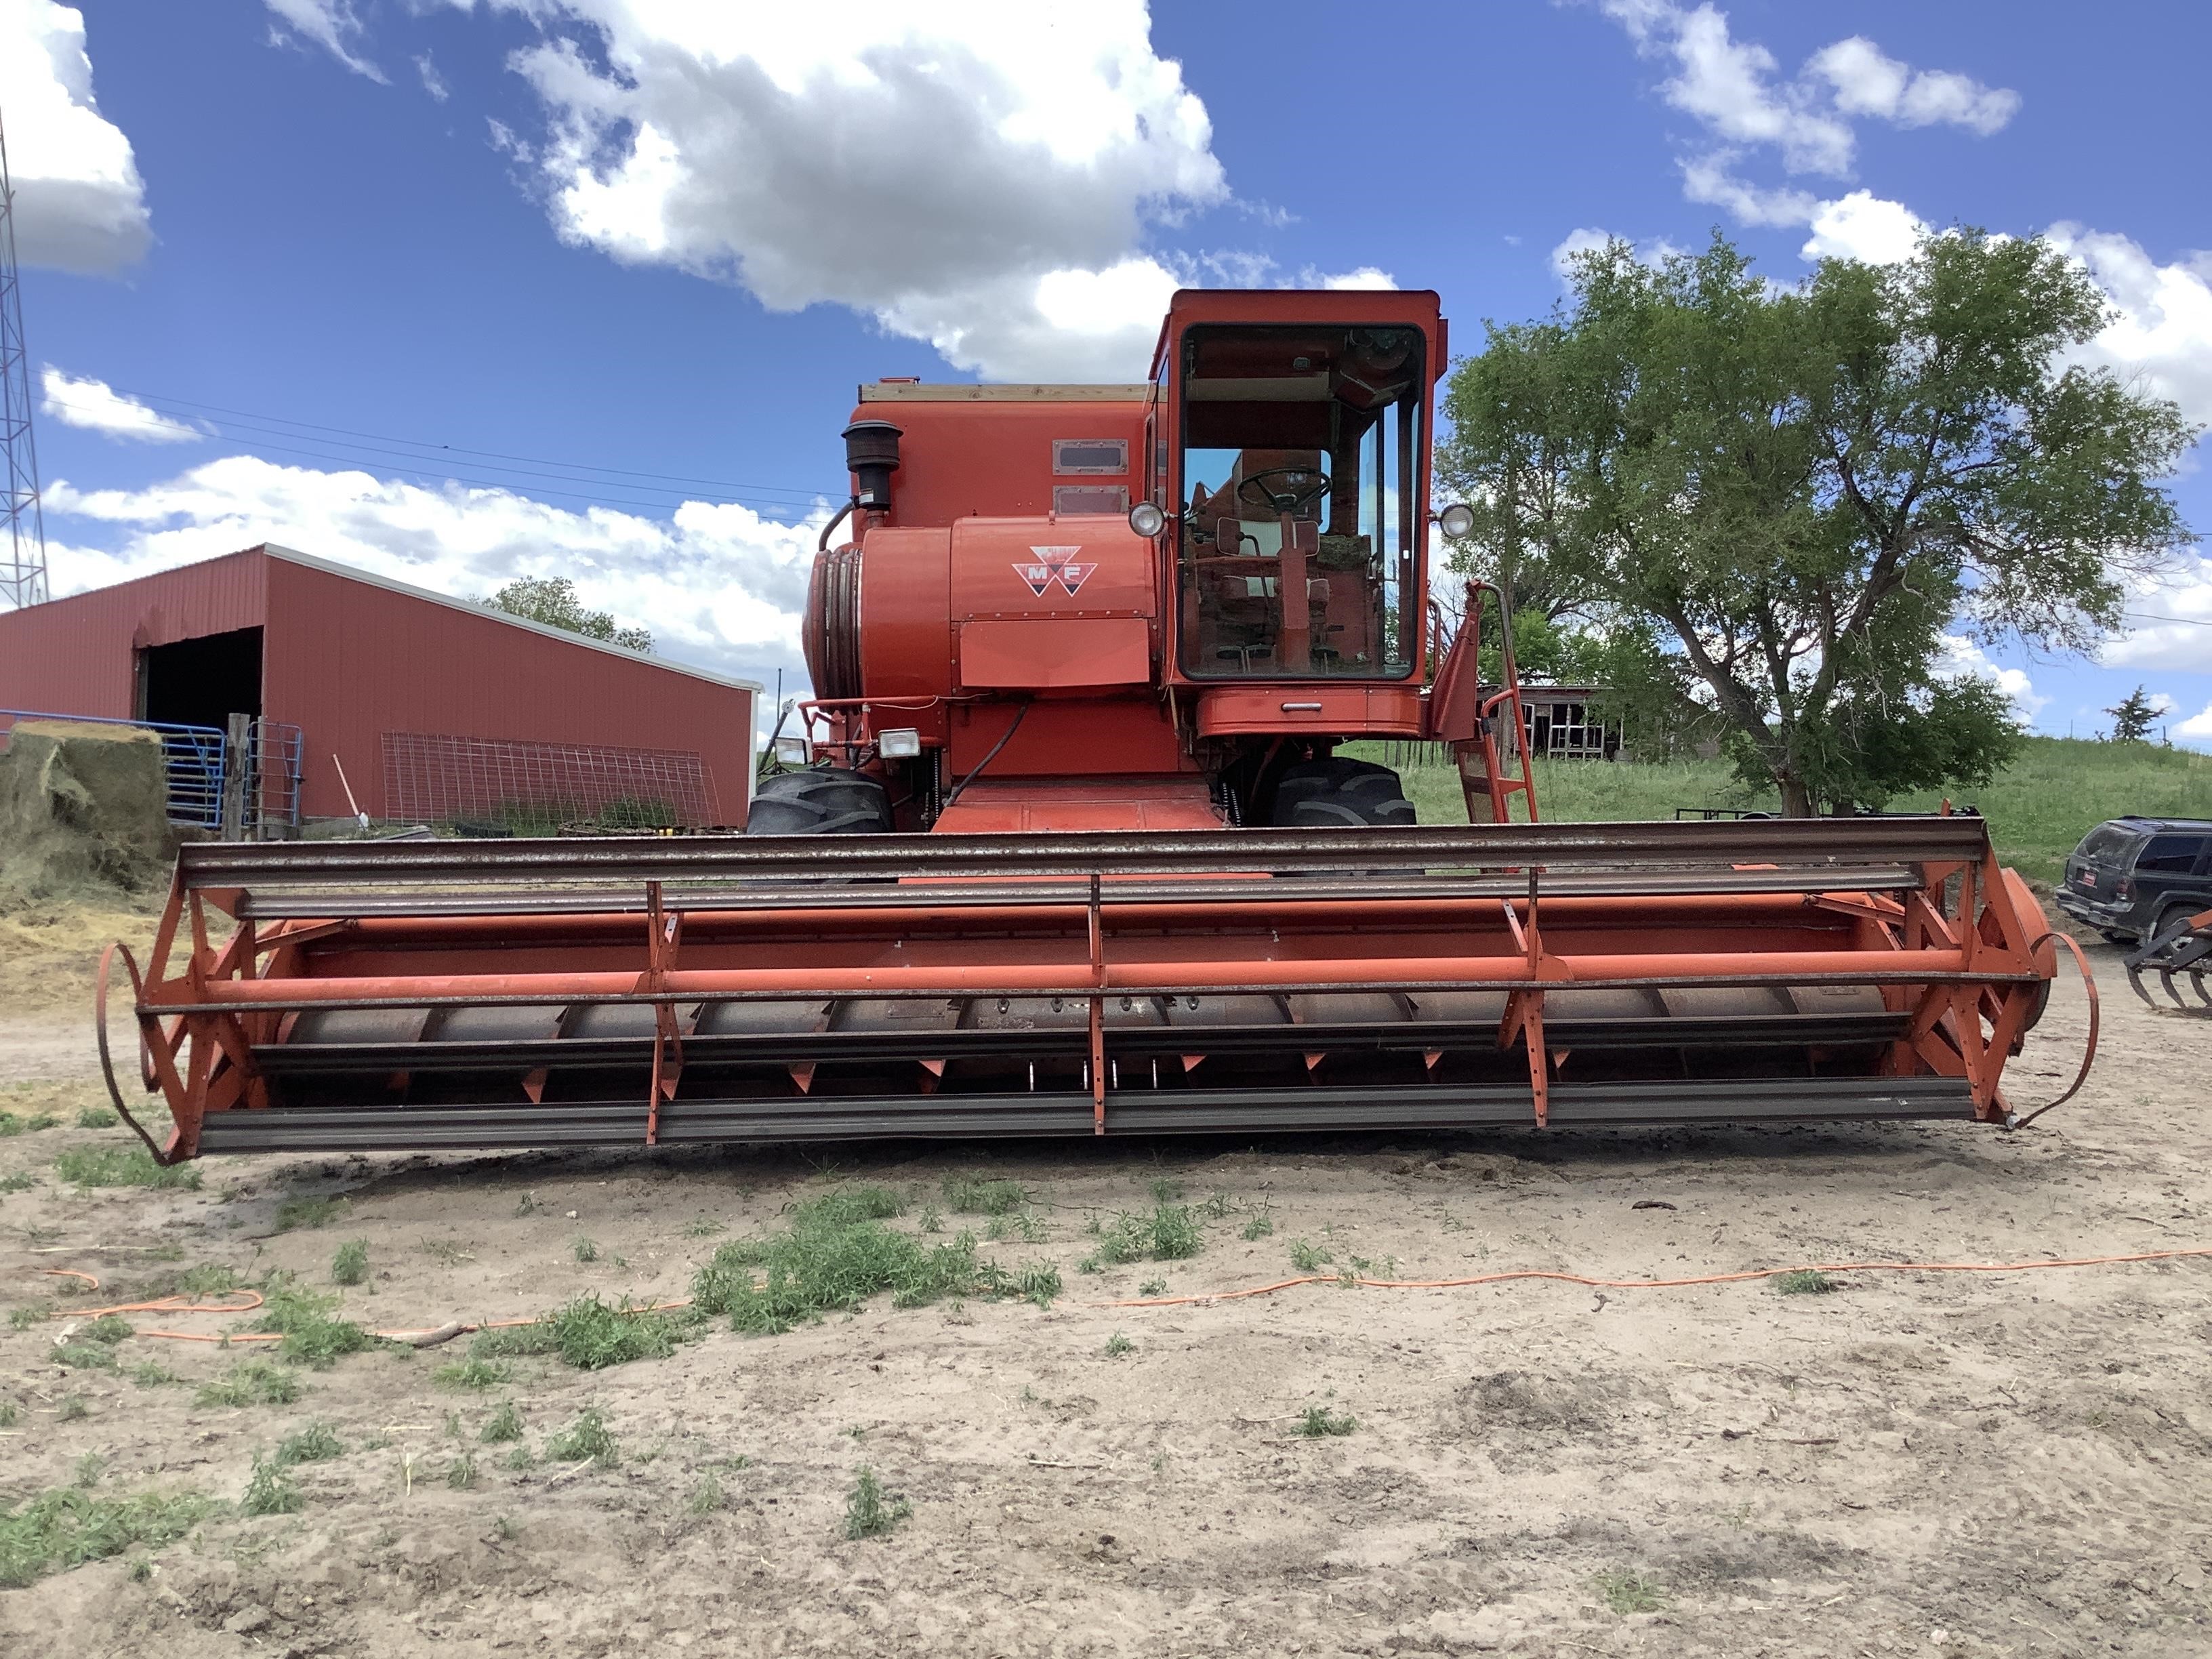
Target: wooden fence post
{"x":237,"y":765}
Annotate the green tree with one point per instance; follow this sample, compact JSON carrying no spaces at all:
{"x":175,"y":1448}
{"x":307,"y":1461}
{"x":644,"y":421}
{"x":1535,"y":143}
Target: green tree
{"x":1773,"y":505}
{"x":2131,"y":720}
{"x":553,"y":601}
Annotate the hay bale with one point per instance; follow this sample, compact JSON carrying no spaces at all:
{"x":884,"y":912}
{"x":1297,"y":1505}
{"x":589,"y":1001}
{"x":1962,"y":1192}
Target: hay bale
{"x":82,"y":806}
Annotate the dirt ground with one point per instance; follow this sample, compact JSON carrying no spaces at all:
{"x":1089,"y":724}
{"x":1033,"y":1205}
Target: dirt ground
{"x":1940,"y":1463}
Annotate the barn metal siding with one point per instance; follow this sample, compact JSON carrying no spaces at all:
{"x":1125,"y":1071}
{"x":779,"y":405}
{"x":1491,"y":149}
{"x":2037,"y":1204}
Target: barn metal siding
{"x":77,"y":655}
{"x":347,"y":658}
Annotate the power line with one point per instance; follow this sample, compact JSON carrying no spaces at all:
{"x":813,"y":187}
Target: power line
{"x":564,"y":467}
{"x":441,"y":473}
{"x":481,"y":483}
{"x":2152,"y":616}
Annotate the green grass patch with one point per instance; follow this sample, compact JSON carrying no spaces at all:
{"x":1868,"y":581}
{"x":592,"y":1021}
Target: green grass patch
{"x":69,"y":1526}
{"x":586,"y":1438}
{"x":85,"y":1356}
{"x":122,"y":1166}
{"x":474,"y":1372}
{"x":270,"y":1490}
{"x":310,"y":1213}
{"x":349,"y":1263}
{"x":461,"y":1472}
{"x":97,"y":1117}
{"x":869,"y":1510}
{"x":976,"y":1195}
{"x":2056,"y":790}
{"x":317,"y":1443}
{"x":587,"y":1250}
{"x":1259,"y":1226}
{"x":1319,"y":1422}
{"x":18,"y":1181}
{"x":1118,"y":1345}
{"x":251,"y":1382}
{"x":1627,"y":1592}
{"x":1170,"y":1233}
{"x":1307,"y":1257}
{"x":591,"y":1335}
{"x":1805,"y":1281}
{"x":151,"y":1374}
{"x":503,"y":1426}
{"x":311,"y":1335}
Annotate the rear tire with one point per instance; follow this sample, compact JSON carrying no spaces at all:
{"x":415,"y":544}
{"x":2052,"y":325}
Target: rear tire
{"x":1338,"y":793}
{"x":825,"y":801}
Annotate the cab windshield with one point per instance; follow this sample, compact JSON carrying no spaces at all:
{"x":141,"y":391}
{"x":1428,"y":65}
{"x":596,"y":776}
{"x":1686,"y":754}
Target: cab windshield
{"x":1298,"y":491}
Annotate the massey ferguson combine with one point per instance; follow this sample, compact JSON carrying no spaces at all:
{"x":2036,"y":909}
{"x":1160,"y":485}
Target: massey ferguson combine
{"x":1070,"y":845}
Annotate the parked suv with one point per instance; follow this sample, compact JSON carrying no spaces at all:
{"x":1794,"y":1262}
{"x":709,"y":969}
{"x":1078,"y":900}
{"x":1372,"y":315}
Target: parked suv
{"x":2133,"y":878}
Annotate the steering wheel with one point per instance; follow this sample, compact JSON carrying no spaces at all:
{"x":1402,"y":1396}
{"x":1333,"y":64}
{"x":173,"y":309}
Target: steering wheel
{"x":1293,"y":500}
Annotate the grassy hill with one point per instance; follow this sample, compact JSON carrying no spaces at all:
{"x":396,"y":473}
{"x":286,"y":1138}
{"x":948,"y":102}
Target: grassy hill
{"x":2055,"y":793}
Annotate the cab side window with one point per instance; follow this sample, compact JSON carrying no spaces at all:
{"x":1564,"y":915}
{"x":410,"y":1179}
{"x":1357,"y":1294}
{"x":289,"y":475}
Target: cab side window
{"x":2172,"y":855}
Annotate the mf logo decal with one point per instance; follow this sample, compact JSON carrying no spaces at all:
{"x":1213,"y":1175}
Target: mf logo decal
{"x":1055,"y":564}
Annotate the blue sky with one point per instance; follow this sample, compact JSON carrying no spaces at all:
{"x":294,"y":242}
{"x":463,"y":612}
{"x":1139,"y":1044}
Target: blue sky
{"x":460,"y":291}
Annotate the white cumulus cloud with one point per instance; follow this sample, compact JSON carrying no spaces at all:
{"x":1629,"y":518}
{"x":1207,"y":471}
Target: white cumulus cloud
{"x":1869,"y":83}
{"x":1862,"y":226}
{"x":98,"y":407}
{"x":717,"y":585}
{"x":1961,"y":659}
{"x":330,"y":24}
{"x":80,"y":203}
{"x":2198,"y":728}
{"x":2162,"y":334}
{"x":2169,"y":622}
{"x":1736,"y":92}
{"x":979,"y":175}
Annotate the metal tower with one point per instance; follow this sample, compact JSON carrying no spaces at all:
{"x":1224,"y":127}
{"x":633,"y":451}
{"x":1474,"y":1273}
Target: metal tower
{"x":23,"y":554}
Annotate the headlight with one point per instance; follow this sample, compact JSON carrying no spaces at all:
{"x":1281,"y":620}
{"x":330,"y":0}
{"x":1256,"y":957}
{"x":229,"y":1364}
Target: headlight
{"x":792,"y":751}
{"x":1146,"y":519}
{"x":902,"y":744}
{"x":1456,"y":519}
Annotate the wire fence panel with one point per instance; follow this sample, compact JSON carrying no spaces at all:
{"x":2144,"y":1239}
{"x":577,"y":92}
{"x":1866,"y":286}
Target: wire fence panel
{"x":274,"y":785}
{"x":540,"y":786}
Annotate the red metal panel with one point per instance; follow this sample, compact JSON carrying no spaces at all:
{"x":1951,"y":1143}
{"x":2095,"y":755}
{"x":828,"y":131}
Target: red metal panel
{"x":349,"y":660}
{"x":76,"y":655}
{"x":1037,"y":655}
{"x":994,"y":458}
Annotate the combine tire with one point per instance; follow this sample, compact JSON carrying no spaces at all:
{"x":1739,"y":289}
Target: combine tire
{"x":826,"y":800}
{"x":1330,"y":794}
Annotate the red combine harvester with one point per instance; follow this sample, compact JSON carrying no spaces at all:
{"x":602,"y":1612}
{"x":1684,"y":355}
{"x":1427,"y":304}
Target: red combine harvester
{"x":1071,"y":850}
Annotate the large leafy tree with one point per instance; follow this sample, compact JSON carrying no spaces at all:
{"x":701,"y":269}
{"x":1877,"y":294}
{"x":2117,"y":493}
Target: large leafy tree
{"x":553,"y":601}
{"x":1781,"y":508}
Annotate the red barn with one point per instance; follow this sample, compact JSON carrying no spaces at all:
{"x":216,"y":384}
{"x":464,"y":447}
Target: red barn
{"x":436,"y":708}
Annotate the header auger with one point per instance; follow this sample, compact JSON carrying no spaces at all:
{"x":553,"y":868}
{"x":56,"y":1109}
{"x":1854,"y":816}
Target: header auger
{"x":1069,"y":846}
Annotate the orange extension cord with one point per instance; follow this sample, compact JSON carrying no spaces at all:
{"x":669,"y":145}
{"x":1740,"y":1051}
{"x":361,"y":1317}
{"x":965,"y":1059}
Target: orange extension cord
{"x":180,"y":1304}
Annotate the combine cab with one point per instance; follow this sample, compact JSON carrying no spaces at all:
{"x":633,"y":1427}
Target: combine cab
{"x":1069,"y":847}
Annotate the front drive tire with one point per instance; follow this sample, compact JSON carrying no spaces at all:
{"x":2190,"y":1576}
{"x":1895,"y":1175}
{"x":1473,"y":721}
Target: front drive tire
{"x":824,"y":800}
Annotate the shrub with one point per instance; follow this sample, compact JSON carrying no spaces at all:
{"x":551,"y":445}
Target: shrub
{"x":1319,"y":1421}
{"x":350,"y":1265}
{"x":315,"y":1443}
{"x":502,"y":1426}
{"x":1169,"y":1233}
{"x":270,"y":1490}
{"x":311,"y":1334}
{"x":869,"y":1509}
{"x":586,"y":1437}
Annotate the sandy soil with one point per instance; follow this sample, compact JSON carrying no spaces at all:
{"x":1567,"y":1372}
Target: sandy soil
{"x":1921,"y":1464}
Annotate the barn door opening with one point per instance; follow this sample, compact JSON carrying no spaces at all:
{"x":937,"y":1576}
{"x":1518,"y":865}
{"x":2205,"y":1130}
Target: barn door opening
{"x":202,"y":681}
